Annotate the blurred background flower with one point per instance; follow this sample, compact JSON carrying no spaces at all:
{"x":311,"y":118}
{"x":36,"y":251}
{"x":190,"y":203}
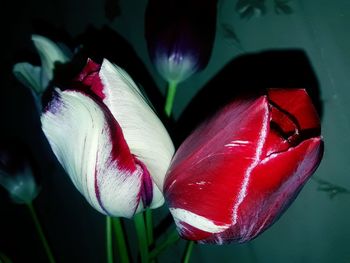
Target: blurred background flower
{"x":180,"y":37}
{"x":37,"y":78}
{"x":17,"y":170}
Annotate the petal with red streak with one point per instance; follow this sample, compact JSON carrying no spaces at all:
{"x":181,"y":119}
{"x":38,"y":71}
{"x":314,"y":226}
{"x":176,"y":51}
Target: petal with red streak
{"x":93,"y":152}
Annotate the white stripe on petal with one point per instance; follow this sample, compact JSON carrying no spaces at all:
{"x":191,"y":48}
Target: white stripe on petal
{"x":79,"y":135}
{"x":183,"y":216}
{"x":144,"y":133}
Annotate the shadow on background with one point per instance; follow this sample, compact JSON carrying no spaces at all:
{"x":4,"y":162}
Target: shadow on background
{"x":252,"y":73}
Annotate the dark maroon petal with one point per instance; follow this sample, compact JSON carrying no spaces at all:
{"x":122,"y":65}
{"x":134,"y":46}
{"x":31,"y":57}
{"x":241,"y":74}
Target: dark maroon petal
{"x":147,"y":185}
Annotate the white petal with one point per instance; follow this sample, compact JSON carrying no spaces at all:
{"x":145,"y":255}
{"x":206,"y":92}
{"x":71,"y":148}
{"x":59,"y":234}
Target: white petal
{"x":80,"y":137}
{"x":50,"y":53}
{"x":144,"y":133}
{"x":175,"y":69}
{"x":183,"y":216}
{"x":29,"y":76}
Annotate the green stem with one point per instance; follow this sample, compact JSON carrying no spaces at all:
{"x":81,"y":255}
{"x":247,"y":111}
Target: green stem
{"x":109,"y":243}
{"x":40,"y":232}
{"x":170,"y":98}
{"x":188,"y":251}
{"x":119,"y":233}
{"x":168,"y":241}
{"x":149,"y":226}
{"x":142,"y":236}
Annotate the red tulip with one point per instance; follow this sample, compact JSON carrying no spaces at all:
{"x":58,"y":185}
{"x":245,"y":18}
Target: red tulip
{"x":238,"y":172}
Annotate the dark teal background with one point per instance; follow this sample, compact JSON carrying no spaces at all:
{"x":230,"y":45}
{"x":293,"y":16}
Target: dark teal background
{"x":314,"y":229}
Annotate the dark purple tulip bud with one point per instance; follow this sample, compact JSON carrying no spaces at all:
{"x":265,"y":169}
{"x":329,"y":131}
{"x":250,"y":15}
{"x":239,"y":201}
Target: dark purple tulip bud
{"x":180,"y":36}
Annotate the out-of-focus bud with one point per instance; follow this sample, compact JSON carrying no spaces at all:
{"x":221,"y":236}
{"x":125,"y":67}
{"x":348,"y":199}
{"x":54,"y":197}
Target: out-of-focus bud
{"x":37,"y":78}
{"x":16,"y":172}
{"x":180,"y":36}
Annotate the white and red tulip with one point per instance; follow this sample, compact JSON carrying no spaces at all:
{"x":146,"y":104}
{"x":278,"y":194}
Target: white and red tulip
{"x":239,"y":171}
{"x":109,"y":140}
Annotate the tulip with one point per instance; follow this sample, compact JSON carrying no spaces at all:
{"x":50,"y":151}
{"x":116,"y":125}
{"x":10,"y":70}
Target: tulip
{"x":16,"y":173}
{"x":239,"y":171}
{"x":109,"y":141}
{"x":37,"y":78}
{"x":180,"y":37}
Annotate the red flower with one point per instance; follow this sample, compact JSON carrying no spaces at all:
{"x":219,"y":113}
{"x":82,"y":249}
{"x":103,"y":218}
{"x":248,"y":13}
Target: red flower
{"x":239,"y":171}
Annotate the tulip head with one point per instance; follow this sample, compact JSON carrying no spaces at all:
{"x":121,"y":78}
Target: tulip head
{"x":16,"y":173}
{"x":109,"y":141}
{"x":238,"y":172}
{"x":180,"y":36}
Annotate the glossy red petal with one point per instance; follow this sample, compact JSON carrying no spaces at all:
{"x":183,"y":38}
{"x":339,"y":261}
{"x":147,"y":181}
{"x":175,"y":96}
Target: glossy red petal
{"x":238,"y":172}
{"x":275,"y":183}
{"x":210,"y":171}
{"x":297,"y":105}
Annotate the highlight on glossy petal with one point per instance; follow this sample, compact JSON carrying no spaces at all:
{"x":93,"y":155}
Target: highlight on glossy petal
{"x":239,"y":171}
{"x":50,"y":53}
